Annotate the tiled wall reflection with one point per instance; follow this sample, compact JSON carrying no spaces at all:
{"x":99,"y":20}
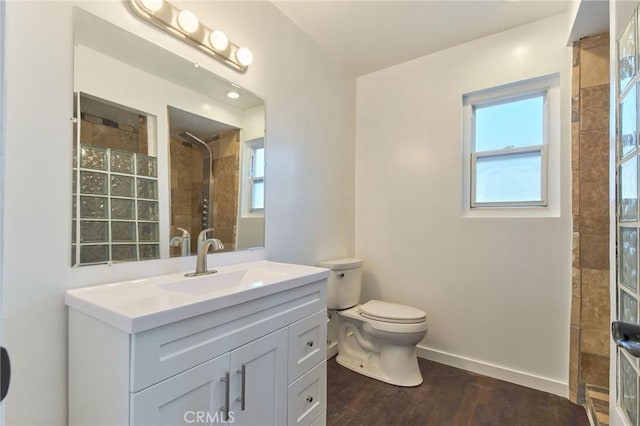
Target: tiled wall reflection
{"x":116,"y":199}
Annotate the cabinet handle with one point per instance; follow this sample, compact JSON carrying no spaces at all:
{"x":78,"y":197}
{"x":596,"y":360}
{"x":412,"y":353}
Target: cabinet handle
{"x":310,"y":343}
{"x":225,"y":409}
{"x":309,"y":399}
{"x":242,"y":371}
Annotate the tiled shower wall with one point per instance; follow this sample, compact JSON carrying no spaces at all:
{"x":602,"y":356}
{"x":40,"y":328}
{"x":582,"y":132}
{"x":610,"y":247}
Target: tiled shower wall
{"x":589,"y":349}
{"x":226,"y":175}
{"x":186,"y":186}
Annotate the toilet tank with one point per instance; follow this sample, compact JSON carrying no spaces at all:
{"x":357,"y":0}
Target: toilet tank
{"x":345,"y":282}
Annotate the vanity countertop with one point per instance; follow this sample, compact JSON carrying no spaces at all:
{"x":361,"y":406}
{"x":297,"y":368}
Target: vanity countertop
{"x":138,"y":305}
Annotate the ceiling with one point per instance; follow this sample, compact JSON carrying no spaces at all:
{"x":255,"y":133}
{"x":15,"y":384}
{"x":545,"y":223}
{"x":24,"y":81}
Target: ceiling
{"x":367,"y":35}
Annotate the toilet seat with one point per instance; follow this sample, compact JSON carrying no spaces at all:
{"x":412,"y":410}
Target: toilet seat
{"x":391,"y":312}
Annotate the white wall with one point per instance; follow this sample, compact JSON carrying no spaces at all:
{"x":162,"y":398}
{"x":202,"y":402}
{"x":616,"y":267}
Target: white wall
{"x":496,"y":290}
{"x":310,"y":209}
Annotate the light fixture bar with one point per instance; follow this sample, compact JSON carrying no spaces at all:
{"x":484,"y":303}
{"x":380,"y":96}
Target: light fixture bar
{"x":185,"y":25}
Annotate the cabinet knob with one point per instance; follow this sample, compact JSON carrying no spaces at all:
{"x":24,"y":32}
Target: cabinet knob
{"x":309,"y":399}
{"x":310,"y":343}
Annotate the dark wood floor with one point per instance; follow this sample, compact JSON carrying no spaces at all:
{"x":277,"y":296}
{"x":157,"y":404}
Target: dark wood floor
{"x":448,"y":397}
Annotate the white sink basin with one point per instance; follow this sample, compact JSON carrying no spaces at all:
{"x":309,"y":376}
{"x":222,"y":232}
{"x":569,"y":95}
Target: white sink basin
{"x":206,"y":283}
{"x":139,"y":305}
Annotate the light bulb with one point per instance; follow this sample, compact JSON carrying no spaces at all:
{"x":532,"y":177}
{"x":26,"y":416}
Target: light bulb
{"x":232,"y":94}
{"x":244,"y":56}
{"x":188,"y":21}
{"x":219,"y":40}
{"x":152,"y":5}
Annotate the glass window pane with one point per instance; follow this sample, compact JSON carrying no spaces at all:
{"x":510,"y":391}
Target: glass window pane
{"x":510,"y":124}
{"x":258,"y":162}
{"x":628,"y":308}
{"x":628,"y":122}
{"x":147,"y":188}
{"x":509,"y":178}
{"x":149,"y":251}
{"x":627,"y":54}
{"x":93,"y":183}
{"x":123,"y":231}
{"x":121,"y":186}
{"x":122,"y":209}
{"x":94,"y":254}
{"x":93,"y":232}
{"x":148,"y":232}
{"x":628,"y":389}
{"x":146,"y":166}
{"x":93,"y":207}
{"x":629,"y":190}
{"x":629,"y":257}
{"x":93,"y":158}
{"x":122,"y":162}
{"x":257,"y":201}
{"x":147,"y":210}
{"x":120,"y":252}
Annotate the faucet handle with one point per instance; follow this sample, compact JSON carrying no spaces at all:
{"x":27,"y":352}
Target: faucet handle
{"x":185,"y":233}
{"x":203,"y":234}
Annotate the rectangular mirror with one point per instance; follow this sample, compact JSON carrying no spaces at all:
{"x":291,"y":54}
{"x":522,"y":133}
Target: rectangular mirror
{"x":163,"y":150}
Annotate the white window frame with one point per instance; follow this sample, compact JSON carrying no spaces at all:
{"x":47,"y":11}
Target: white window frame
{"x":548,"y":87}
{"x":249,"y":179}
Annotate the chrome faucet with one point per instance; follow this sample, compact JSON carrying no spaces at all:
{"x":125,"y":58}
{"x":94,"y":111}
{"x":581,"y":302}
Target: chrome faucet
{"x":202,"y":237}
{"x":201,"y":262}
{"x":184,"y":242}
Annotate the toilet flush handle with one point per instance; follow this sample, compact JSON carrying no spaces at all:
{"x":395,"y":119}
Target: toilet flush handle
{"x":341,"y":275}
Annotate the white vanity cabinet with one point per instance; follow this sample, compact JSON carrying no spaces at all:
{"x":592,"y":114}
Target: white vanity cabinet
{"x":260,"y":362}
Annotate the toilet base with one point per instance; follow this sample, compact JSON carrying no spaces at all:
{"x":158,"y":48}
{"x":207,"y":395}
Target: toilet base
{"x":370,"y":366}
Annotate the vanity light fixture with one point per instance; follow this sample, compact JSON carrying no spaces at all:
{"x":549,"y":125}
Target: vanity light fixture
{"x":232,"y":94}
{"x":186,"y":26}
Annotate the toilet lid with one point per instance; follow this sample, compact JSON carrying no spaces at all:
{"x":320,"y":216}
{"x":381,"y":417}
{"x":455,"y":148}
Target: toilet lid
{"x":391,"y":312}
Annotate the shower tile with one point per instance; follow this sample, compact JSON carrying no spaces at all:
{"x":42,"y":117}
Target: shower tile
{"x":122,"y":186}
{"x":93,"y":231}
{"x":148,"y":210}
{"x":146,"y":166}
{"x":628,"y":389}
{"x":92,"y":157}
{"x":629,"y":257}
{"x":124,"y":252}
{"x":149,"y":251}
{"x":123,"y":231}
{"x":122,"y":209}
{"x":147,"y":188}
{"x":93,"y":207}
{"x":148,"y":232}
{"x":94,"y":254}
{"x":93,"y":183}
{"x":122,"y":162}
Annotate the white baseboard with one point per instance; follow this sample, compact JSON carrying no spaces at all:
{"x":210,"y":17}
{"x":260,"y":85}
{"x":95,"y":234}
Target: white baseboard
{"x":508,"y":375}
{"x":332,"y":349}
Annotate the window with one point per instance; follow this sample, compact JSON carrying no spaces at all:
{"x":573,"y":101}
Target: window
{"x":253,"y":165}
{"x":506,"y":141}
{"x":257,"y":177}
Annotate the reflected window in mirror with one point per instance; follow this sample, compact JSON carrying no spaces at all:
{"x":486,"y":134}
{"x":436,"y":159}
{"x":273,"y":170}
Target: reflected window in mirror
{"x":115,"y":212}
{"x":255,"y":179}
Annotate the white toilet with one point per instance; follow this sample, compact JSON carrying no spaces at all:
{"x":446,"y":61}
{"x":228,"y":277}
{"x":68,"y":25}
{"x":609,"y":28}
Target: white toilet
{"x":377,"y":339}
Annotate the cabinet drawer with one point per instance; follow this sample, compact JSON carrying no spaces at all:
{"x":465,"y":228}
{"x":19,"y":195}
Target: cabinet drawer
{"x":308,"y":396}
{"x":162,"y":352}
{"x":307,"y":344}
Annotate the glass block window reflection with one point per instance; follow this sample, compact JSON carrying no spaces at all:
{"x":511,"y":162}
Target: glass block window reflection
{"x":116,"y":206}
{"x":627,"y":220}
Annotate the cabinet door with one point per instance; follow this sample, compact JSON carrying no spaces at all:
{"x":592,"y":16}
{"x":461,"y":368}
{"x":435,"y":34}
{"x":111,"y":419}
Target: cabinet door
{"x":259,"y":374}
{"x":195,"y":396}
